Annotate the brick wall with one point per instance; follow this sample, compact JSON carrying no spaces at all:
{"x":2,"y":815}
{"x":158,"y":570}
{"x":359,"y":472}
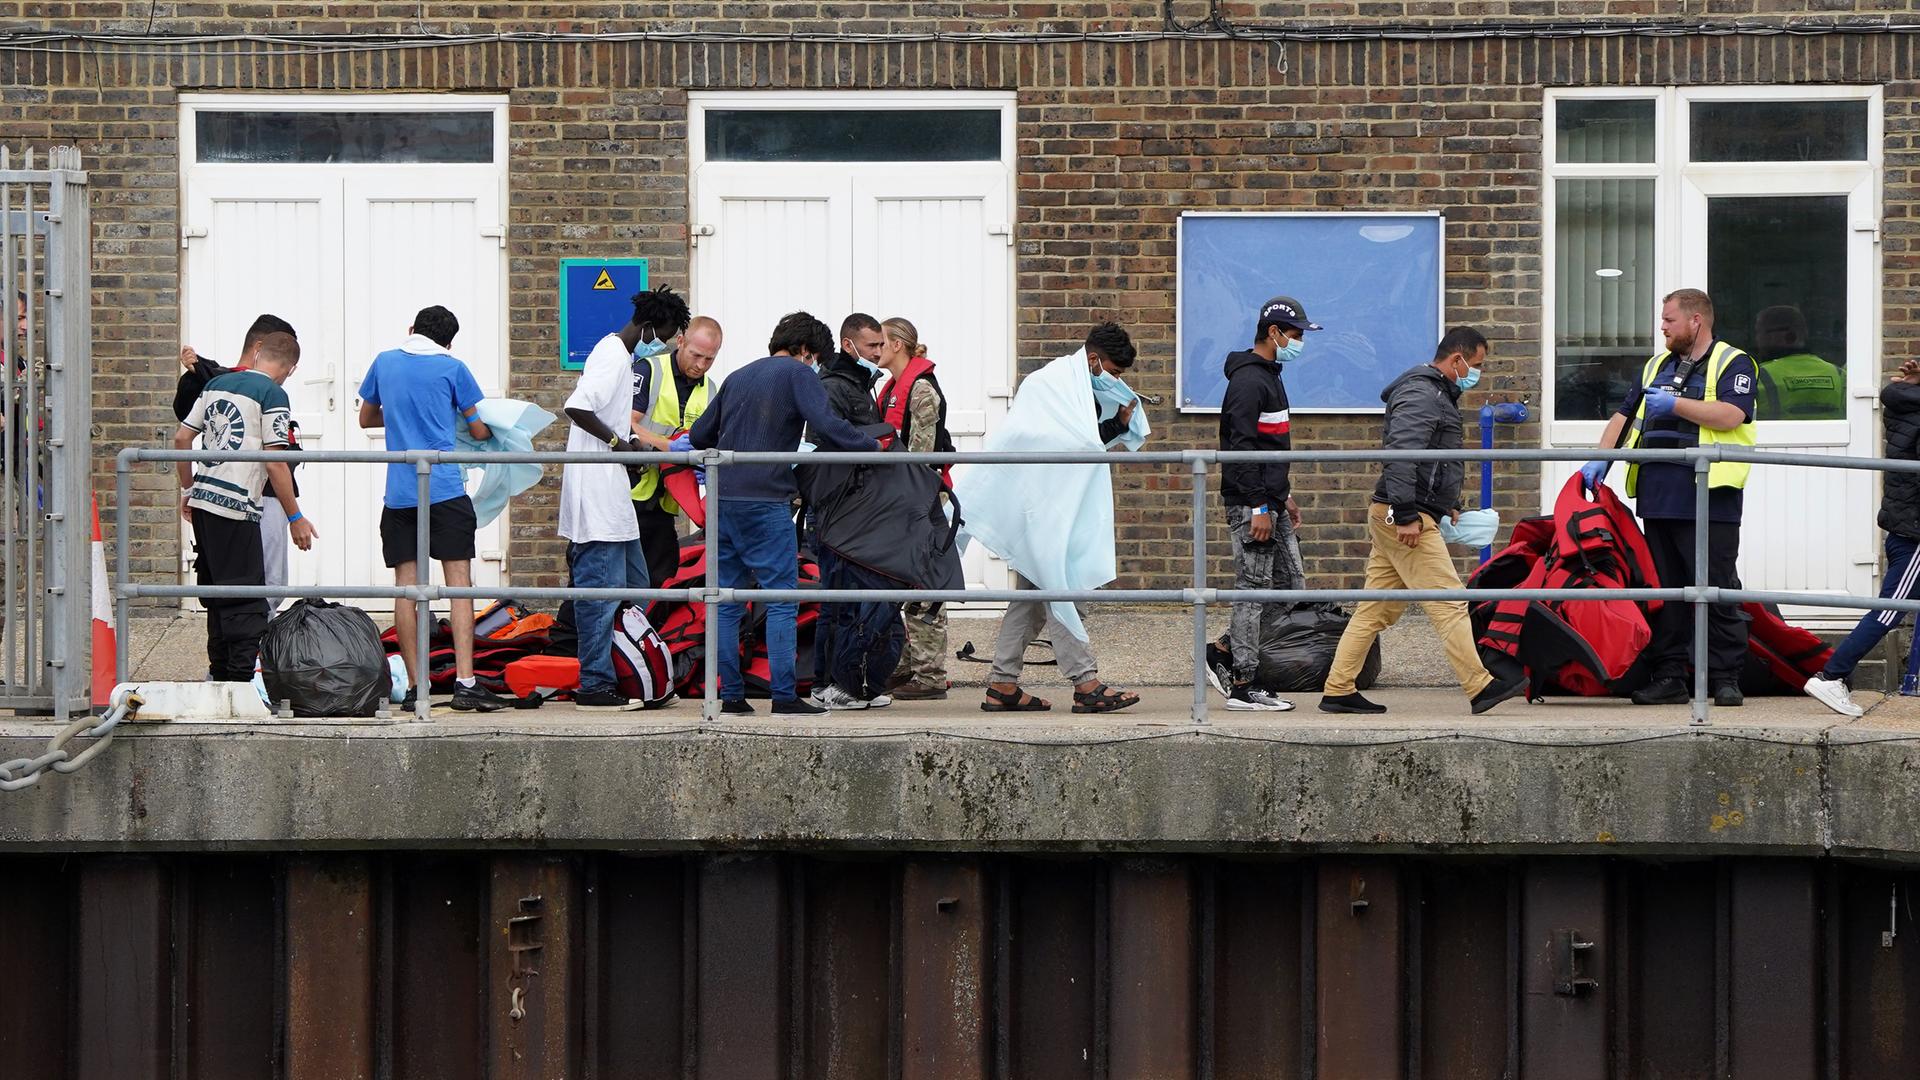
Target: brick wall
{"x":1115,"y":140}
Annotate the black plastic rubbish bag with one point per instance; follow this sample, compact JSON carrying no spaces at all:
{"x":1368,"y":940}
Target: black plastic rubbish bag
{"x":1296,"y":649}
{"x":326,"y":659}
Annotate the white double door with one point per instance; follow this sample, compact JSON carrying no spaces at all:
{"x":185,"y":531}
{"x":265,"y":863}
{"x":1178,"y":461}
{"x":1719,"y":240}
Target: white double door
{"x":929,"y":243}
{"x":348,"y":255}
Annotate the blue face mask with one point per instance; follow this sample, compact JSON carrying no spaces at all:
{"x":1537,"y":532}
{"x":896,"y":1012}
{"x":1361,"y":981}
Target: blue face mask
{"x":1469,"y":380}
{"x":1104,"y":381}
{"x":648,"y":349}
{"x":873,"y":369}
{"x":1291,"y":350}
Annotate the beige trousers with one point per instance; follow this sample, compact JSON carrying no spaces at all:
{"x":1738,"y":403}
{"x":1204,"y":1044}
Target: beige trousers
{"x":1393,"y":565}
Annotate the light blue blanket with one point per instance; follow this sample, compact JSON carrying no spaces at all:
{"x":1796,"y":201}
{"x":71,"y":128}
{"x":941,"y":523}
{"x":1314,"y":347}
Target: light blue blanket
{"x":514,"y":425}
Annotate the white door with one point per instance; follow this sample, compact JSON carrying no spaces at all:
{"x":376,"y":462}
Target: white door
{"x":935,"y":248}
{"x":347,"y":254}
{"x":415,"y":238}
{"x":1806,"y":242}
{"x":930,"y":243}
{"x":267,"y":240}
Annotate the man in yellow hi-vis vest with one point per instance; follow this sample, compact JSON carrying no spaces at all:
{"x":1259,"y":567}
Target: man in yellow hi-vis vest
{"x":1697,"y":392}
{"x":670,"y":391}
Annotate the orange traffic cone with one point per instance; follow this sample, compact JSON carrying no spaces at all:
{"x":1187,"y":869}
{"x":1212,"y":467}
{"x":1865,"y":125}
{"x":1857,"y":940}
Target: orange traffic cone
{"x":105,"y":648}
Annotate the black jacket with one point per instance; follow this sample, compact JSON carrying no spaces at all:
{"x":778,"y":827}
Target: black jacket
{"x":849,"y":391}
{"x":1900,"y":498}
{"x":1254,"y":416}
{"x":1423,"y":413}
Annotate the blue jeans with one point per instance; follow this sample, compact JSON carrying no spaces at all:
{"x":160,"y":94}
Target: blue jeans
{"x":620,"y":564}
{"x":1901,"y":582}
{"x":758,"y":549}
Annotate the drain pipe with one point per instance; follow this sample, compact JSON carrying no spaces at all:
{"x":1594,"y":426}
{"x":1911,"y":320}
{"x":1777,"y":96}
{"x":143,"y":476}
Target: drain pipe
{"x":1505,"y":412}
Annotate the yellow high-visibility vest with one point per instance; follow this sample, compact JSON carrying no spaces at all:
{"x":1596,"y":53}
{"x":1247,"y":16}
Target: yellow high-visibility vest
{"x":665,"y":416}
{"x":1720,"y":474}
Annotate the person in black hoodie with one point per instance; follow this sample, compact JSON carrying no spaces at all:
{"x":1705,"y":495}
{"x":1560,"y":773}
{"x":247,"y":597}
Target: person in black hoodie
{"x":1261,"y":514}
{"x":1423,"y":413}
{"x":1900,"y":517}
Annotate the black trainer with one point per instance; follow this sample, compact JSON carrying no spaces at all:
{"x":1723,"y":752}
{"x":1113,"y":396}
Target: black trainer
{"x":1498,"y":691}
{"x":477,"y":698}
{"x":1663,"y":692}
{"x":1728,"y":696}
{"x":606,"y":701}
{"x":1350,"y":703}
{"x":737,"y":706}
{"x":797,"y":707}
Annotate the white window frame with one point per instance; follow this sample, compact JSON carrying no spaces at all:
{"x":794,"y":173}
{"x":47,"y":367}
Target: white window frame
{"x":191,"y":105}
{"x":701,"y":102}
{"x":1672,"y":171}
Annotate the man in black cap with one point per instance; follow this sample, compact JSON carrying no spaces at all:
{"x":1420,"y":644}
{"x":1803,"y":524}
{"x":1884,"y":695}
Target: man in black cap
{"x":1261,"y":513}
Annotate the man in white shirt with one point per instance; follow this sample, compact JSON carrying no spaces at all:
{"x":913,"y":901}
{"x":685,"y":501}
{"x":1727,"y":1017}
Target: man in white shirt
{"x":596,"y":512}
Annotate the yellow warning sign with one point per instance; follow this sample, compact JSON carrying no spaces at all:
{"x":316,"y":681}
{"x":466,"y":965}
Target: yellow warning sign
{"x":603,"y":283}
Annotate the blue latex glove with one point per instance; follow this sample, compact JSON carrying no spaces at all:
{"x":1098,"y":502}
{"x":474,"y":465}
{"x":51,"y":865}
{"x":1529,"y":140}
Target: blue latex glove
{"x":1593,"y":472}
{"x":681,"y":444}
{"x":1660,"y":402}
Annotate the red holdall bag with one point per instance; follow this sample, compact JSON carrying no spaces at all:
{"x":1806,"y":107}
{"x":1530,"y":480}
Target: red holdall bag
{"x":544,"y":677}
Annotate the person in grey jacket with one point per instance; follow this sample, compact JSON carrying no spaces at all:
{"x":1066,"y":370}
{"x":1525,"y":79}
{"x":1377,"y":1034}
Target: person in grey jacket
{"x":1423,"y":413}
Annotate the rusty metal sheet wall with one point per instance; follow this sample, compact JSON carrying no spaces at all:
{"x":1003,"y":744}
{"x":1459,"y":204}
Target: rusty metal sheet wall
{"x":394,"y":966}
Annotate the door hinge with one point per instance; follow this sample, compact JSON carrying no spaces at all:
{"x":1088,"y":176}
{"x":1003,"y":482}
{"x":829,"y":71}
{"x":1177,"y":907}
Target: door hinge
{"x":497,"y":232}
{"x":188,"y":232}
{"x":696,"y":232}
{"x":1004,"y":229}
{"x":1868,"y":227}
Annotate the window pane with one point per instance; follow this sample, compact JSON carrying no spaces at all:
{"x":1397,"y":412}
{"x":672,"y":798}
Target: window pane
{"x":1603,"y":311}
{"x":1779,"y":130}
{"x":853,"y":135}
{"x":1777,"y":272}
{"x":1603,"y":131}
{"x":345,"y":138}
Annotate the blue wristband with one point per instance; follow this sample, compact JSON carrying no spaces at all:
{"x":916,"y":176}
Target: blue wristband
{"x":297,"y":515}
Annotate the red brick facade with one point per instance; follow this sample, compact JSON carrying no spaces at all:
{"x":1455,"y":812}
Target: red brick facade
{"x":1115,"y":139}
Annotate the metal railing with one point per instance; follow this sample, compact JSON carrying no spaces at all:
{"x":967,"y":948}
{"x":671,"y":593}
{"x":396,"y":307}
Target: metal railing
{"x":1199,"y":596}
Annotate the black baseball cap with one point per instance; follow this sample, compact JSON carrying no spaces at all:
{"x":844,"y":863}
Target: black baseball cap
{"x":1285,"y":311}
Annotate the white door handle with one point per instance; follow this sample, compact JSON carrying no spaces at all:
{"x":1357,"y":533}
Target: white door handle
{"x":327,"y":381}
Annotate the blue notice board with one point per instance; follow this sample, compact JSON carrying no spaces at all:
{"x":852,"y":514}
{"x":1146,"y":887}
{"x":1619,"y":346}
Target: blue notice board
{"x":1372,"y":280}
{"x":596,"y":299}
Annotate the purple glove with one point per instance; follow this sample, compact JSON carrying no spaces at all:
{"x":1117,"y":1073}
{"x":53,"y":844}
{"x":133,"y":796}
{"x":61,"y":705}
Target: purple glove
{"x":1660,"y":402}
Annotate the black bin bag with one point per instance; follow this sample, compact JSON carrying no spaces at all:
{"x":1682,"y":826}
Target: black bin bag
{"x":326,"y":659}
{"x":1296,"y":649}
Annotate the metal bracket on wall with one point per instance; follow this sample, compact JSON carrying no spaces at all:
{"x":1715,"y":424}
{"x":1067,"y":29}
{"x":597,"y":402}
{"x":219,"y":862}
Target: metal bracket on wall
{"x":523,"y":939}
{"x":1569,"y":958}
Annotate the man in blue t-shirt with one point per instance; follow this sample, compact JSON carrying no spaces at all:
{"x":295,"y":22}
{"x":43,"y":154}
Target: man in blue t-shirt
{"x":1699,"y":391}
{"x":419,"y":392}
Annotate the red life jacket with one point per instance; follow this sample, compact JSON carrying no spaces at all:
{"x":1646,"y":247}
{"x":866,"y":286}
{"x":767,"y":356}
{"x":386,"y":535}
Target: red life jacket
{"x":1580,"y":646}
{"x":682,"y":628}
{"x":893,"y":408}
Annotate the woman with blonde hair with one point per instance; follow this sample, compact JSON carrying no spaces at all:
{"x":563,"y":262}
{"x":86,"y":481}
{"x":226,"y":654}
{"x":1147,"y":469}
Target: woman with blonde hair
{"x":912,"y":403}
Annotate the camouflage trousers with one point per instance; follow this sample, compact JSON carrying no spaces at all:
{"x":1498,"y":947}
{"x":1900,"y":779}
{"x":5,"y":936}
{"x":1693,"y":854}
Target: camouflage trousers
{"x":925,"y":658}
{"x":1272,"y":564}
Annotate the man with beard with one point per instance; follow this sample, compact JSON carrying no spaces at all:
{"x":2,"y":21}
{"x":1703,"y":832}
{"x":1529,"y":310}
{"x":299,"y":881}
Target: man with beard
{"x":1698,"y":392}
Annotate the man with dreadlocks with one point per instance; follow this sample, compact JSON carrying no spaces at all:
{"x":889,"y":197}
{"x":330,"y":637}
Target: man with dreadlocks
{"x":596,"y":513}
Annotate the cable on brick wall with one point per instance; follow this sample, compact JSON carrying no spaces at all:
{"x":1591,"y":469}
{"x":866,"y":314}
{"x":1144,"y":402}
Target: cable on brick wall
{"x":1213,"y":28}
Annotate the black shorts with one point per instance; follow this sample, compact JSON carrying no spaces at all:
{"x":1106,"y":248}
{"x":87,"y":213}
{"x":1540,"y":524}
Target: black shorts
{"x":450,"y":525}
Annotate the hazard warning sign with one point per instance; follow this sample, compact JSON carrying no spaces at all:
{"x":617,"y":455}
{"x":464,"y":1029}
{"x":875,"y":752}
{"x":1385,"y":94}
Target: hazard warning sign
{"x":596,"y":299}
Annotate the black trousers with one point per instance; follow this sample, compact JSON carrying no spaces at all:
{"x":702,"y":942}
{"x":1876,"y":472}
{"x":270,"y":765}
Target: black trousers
{"x":1671,"y":653}
{"x":658,"y":541}
{"x":230,"y":555}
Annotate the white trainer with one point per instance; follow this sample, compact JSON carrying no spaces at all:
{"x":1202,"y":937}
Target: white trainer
{"x":1254,"y":699}
{"x":1834,"y":695}
{"x":839,"y":700}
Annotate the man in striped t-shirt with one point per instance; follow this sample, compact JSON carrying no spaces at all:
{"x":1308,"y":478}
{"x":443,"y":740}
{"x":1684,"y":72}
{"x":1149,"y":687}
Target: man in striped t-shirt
{"x":1261,"y":514}
{"x":244,"y":409}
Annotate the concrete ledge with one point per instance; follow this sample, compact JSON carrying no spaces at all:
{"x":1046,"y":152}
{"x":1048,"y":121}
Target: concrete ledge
{"x":1590,"y":783}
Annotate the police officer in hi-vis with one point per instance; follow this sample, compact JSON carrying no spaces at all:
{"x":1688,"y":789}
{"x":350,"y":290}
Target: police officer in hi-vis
{"x":1698,"y":392}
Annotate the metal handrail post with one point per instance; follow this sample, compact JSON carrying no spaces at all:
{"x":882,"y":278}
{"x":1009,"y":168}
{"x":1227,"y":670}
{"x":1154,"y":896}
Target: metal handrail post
{"x":1198,"y":466}
{"x":422,"y":572}
{"x":710,"y":698}
{"x":122,"y":565}
{"x":1701,"y":465}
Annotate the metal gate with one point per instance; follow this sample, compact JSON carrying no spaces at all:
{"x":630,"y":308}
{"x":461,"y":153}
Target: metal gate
{"x":45,"y":382}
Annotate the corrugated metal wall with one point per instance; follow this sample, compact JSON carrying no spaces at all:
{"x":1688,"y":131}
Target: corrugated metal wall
{"x":427,"y":965}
